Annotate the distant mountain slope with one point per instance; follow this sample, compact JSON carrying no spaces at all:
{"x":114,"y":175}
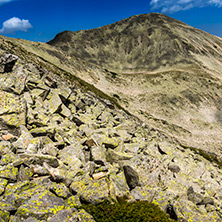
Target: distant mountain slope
{"x":165,"y":72}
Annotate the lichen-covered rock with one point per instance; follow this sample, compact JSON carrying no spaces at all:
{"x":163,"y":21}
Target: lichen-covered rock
{"x":84,"y":216}
{"x":98,"y":155}
{"x":39,"y":159}
{"x":3,"y":184}
{"x":24,"y":141}
{"x":12,"y":109}
{"x":9,"y":172}
{"x":53,"y":102}
{"x":5,"y":147}
{"x":60,"y":174}
{"x":113,"y":156}
{"x":91,"y":191}
{"x":62,"y":215}
{"x":59,"y":189}
{"x":25,"y":173}
{"x":118,"y":185}
{"x":72,"y":156}
{"x":7,"y":206}
{"x":4,"y":216}
{"x":61,"y":147}
{"x":7,"y":159}
{"x":41,"y":206}
{"x":74,"y":201}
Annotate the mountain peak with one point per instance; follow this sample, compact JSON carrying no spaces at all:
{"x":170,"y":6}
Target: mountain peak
{"x":139,"y":43}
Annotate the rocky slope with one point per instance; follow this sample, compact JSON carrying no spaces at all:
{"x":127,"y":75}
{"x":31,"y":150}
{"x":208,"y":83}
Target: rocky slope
{"x":62,"y":145}
{"x":163,"y":71}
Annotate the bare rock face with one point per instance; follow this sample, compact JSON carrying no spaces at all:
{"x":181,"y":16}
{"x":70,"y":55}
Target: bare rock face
{"x":61,"y":146}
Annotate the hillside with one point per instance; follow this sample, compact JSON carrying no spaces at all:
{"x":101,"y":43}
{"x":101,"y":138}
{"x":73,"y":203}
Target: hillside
{"x":163,"y":71}
{"x":77,"y":130}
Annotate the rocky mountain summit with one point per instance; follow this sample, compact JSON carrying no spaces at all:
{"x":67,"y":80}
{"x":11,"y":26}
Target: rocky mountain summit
{"x":62,"y":146}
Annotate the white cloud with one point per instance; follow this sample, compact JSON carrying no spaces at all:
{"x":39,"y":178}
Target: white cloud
{"x":15,"y":24}
{"x":171,"y":6}
{"x":4,"y":1}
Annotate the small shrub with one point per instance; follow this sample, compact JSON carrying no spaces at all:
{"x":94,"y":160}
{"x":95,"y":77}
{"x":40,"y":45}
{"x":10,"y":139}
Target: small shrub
{"x":138,"y":211}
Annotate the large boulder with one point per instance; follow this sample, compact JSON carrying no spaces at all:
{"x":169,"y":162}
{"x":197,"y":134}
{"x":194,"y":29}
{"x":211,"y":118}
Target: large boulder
{"x":132,"y":177}
{"x":41,"y":206}
{"x":7,"y":62}
{"x":12,"y":109}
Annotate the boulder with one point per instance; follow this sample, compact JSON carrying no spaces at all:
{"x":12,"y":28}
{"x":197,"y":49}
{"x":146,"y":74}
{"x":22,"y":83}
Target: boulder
{"x":12,"y":109}
{"x":132,"y":177}
{"x":7,"y":62}
{"x":74,"y":201}
{"x":118,"y":185}
{"x":59,"y":189}
{"x":41,"y":206}
{"x":62,"y":215}
{"x":113,"y":156}
{"x":98,"y":155}
{"x":24,"y":141}
{"x":91,"y":191}
{"x":9,"y":172}
{"x":84,"y":216}
{"x":39,"y":159}
{"x":70,"y":156}
{"x":3,"y":184}
{"x":53,"y":102}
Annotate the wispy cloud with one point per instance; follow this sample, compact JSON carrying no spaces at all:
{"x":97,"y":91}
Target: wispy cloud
{"x":15,"y":24}
{"x":4,"y":1}
{"x":171,"y":6}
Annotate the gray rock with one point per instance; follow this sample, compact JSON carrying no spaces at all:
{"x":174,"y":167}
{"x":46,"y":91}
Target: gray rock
{"x":3,"y":184}
{"x":174,"y":168}
{"x":98,"y":155}
{"x":7,"y":62}
{"x":39,"y":159}
{"x":132,"y":177}
{"x":9,"y":172}
{"x":91,"y":191}
{"x":5,"y":148}
{"x":70,"y":156}
{"x":41,"y":206}
{"x":24,"y":141}
{"x":12,"y":109}
{"x":113,"y":156}
{"x":62,"y":215}
{"x":53,"y":102}
{"x":25,"y":173}
{"x":84,"y":216}
{"x":193,"y":196}
{"x":60,"y":190}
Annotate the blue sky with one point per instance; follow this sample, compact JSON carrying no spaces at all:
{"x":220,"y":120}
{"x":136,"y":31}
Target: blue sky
{"x":41,"y":20}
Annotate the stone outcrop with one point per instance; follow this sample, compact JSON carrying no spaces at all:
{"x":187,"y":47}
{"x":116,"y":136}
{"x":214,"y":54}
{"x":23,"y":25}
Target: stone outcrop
{"x":61,"y":146}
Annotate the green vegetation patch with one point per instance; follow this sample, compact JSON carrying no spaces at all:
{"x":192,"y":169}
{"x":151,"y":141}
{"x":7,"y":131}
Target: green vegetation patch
{"x":126,"y":211}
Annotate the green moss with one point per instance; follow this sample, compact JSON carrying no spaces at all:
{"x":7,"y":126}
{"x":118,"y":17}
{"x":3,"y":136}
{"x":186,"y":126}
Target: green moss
{"x":126,"y":211}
